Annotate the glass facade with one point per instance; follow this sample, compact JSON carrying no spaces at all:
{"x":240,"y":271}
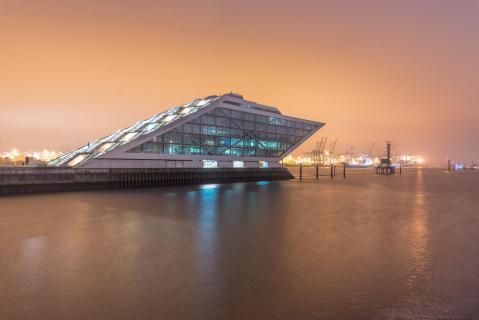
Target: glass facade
{"x":97,"y":148}
{"x":226,"y":132}
{"x":231,"y":127}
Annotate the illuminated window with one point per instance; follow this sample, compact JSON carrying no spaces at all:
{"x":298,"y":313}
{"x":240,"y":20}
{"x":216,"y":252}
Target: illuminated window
{"x":187,"y":110}
{"x":104,"y":147}
{"x":203,"y":102}
{"x":168,"y":119}
{"x":150,"y":127}
{"x":263,"y":164}
{"x":77,"y":160}
{"x":210,"y":164}
{"x":225,"y":132}
{"x":127,"y":137}
{"x":238,"y":164}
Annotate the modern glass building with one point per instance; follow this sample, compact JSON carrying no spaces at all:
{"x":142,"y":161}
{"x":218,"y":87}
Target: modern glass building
{"x":215,"y":132}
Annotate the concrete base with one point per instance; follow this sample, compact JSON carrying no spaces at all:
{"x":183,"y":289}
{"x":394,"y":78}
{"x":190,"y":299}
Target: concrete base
{"x":23,"y":180}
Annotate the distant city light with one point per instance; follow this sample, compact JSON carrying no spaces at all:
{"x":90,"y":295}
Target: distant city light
{"x":15,"y":155}
{"x":356,"y":160}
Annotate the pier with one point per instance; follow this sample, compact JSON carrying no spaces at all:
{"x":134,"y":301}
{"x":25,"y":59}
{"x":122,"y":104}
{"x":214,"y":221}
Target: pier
{"x":316,"y":171}
{"x":34,"y":180}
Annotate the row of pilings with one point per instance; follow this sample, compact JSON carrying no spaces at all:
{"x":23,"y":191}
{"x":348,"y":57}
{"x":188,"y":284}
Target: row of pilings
{"x":345,"y":170}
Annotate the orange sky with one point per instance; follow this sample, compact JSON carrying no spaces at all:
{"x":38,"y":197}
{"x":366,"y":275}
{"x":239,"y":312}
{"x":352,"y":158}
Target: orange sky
{"x":408,"y":71}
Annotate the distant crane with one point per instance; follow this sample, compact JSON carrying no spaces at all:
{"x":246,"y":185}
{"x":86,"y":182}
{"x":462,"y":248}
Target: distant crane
{"x":323,"y":146}
{"x":332,"y":146}
{"x":318,"y":153}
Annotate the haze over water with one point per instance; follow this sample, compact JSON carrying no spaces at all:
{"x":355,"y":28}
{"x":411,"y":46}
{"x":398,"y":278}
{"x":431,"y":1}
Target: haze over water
{"x":406,"y":71}
{"x":364,"y":247}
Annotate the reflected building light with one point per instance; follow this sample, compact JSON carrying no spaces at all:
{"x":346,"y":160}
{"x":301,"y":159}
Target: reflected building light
{"x":209,"y":186}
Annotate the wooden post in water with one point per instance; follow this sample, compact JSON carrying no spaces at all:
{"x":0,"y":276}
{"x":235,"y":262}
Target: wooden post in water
{"x":344,"y":170}
{"x":317,"y":171}
{"x":400,"y":169}
{"x":300,"y":171}
{"x":332,"y":171}
{"x":448,"y":165}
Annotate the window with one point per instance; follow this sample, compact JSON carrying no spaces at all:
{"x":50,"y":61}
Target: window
{"x":261,"y":119}
{"x":150,"y":127}
{"x":236,"y":142}
{"x":172,"y":137}
{"x":202,"y":102}
{"x":127,"y":137}
{"x":223,"y":122}
{"x":209,"y":150}
{"x":187,"y":110}
{"x":236,"y":114}
{"x":224,"y":141}
{"x":249,"y":116}
{"x":238,"y":164}
{"x":208,"y":140}
{"x":168,"y":119}
{"x":191,"y":139}
{"x":223,"y":112}
{"x":235,"y":152}
{"x":192,"y":150}
{"x":188,"y":128}
{"x":249,"y":125}
{"x":173,"y":149}
{"x":104,"y":147}
{"x":263,"y":164}
{"x":225,"y":132}
{"x":205,"y":119}
{"x":210,"y":164}
{"x":208,"y":130}
{"x":152,"y":147}
{"x":77,"y":160}
{"x":222,"y":151}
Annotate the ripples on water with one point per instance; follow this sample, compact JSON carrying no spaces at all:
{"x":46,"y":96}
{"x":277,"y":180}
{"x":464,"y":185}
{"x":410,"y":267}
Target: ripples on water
{"x":365,"y":247}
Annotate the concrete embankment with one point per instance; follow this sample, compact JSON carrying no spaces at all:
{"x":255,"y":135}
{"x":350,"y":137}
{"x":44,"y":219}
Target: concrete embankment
{"x":31,"y":180}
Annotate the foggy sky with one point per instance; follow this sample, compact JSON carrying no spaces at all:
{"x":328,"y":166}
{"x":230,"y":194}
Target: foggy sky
{"x":407,"y":71}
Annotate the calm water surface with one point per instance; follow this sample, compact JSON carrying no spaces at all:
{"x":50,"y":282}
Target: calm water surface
{"x":364,"y":247}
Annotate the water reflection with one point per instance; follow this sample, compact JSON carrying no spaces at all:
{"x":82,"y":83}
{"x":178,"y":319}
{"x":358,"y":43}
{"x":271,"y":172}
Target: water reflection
{"x":419,"y":229}
{"x":204,"y":201}
{"x":32,"y":255}
{"x":345,"y":249}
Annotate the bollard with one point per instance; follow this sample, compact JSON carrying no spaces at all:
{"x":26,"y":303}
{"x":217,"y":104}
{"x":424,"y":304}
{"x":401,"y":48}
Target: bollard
{"x":344,"y":170}
{"x":400,"y":169}
{"x":300,"y":171}
{"x":331,"y":171}
{"x":317,"y":171}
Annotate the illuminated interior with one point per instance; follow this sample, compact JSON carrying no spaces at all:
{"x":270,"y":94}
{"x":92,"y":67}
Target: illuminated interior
{"x":229,"y":129}
{"x":120,"y":137}
{"x":225,"y":132}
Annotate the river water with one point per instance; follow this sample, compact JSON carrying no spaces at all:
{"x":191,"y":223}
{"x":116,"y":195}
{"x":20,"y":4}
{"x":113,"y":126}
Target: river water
{"x":364,"y":247}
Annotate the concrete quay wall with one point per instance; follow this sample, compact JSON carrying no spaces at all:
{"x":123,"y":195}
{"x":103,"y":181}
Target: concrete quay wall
{"x":33,"y":180}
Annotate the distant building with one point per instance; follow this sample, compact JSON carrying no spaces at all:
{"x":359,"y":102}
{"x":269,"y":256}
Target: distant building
{"x":215,"y":132}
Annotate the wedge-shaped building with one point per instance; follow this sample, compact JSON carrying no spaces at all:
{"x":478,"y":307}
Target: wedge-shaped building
{"x":215,"y":132}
